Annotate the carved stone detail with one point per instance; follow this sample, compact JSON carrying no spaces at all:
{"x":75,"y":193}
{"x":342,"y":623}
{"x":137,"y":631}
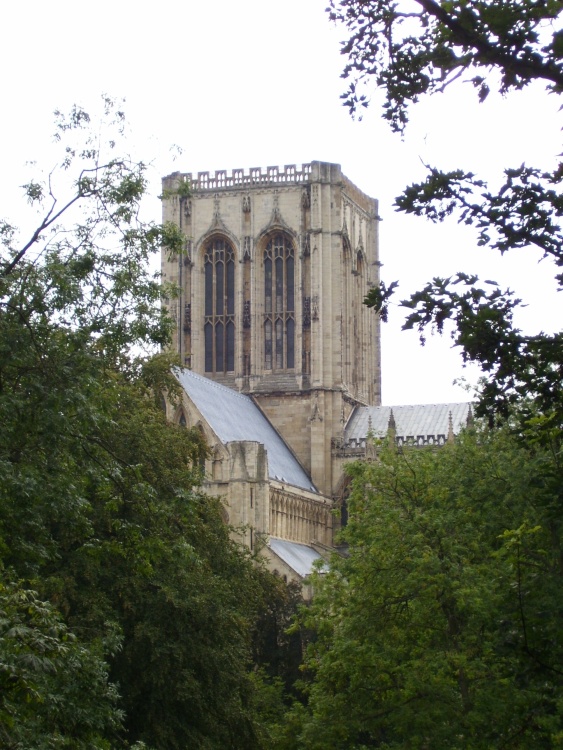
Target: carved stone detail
{"x":246,"y":204}
{"x":216,"y":209}
{"x":246,"y":314}
{"x":315,"y":411}
{"x":360,"y":240}
{"x":276,"y":215}
{"x":315,"y":307}
{"x":307,"y":312}
{"x":188,"y":253}
{"x":246,"y":248}
{"x":188,"y":318}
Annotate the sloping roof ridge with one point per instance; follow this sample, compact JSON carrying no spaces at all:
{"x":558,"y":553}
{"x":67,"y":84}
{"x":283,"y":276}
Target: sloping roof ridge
{"x":233,"y":421}
{"x":212,"y":384}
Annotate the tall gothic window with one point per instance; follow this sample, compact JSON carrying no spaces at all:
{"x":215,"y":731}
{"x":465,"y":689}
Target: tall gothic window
{"x":279,"y":304}
{"x":219,"y":325}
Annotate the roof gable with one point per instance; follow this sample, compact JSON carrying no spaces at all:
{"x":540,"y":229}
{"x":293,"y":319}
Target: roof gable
{"x":233,"y":416}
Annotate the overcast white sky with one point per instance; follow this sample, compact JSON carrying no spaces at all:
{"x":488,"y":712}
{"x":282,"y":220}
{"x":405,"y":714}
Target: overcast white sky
{"x":256,"y":83}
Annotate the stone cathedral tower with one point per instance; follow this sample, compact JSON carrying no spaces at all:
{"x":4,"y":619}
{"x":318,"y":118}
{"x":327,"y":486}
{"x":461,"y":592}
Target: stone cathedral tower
{"x":277,"y":264}
{"x":282,"y":358}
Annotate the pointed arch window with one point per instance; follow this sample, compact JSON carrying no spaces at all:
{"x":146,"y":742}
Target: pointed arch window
{"x":359,"y":262}
{"x":219,"y":324}
{"x":279,"y":304}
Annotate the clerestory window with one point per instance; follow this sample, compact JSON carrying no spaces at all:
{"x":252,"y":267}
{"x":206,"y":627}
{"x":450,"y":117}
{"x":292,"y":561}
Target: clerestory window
{"x":279,"y":304}
{"x":219,"y":324}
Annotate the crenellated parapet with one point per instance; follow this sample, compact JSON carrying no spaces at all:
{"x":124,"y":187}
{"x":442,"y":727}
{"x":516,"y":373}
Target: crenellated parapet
{"x":221,"y":179}
{"x":356,"y":447}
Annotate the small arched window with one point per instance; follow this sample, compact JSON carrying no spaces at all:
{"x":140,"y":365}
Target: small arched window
{"x":279,"y":304}
{"x":219,"y":324}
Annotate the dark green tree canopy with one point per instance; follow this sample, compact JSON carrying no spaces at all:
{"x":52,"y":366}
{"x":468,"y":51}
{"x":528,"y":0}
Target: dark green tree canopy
{"x":441,"y":627}
{"x":127,"y":611}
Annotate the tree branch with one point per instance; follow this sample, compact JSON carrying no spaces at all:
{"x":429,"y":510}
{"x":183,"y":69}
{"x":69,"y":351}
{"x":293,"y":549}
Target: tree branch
{"x":489,"y":53}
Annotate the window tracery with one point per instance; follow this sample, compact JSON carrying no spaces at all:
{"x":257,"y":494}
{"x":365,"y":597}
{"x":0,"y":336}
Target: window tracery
{"x":279,"y":303}
{"x":219,"y":325}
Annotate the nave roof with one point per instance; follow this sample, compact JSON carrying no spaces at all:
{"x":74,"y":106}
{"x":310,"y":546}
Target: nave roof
{"x":418,"y":424}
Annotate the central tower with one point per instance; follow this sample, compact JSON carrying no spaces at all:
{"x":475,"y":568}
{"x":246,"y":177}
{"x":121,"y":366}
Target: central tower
{"x":270,"y":295}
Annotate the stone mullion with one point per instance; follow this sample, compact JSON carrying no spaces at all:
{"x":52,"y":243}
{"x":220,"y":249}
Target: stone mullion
{"x":282,"y":517}
{"x":279,"y":516}
{"x":273,"y":512}
{"x":301,"y":534}
{"x":284,"y":525}
{"x":291,"y":516}
{"x":279,"y":529}
{"x":246,"y":324}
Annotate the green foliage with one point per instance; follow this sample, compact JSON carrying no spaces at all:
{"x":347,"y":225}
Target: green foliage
{"x":422,"y":47}
{"x":277,"y":649}
{"x":183,"y":190}
{"x":134,"y":618}
{"x":442,"y":625}
{"x":517,"y":366}
{"x":54,"y":691}
{"x":378,"y":298}
{"x":526,"y":211}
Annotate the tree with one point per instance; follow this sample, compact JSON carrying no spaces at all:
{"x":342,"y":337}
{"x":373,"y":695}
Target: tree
{"x":128,"y":582}
{"x":442,"y":626}
{"x":55,"y":691}
{"x":419,"y":47}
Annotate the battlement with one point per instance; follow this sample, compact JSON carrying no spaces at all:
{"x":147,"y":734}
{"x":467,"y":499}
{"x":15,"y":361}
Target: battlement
{"x":221,"y":180}
{"x":355,"y":445}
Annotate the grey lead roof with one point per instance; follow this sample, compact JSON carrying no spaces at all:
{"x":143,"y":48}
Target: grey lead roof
{"x":421,"y":423}
{"x":300,"y":557}
{"x":233,"y":416}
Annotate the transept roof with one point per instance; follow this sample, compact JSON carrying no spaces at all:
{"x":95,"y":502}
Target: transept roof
{"x":233,"y":416}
